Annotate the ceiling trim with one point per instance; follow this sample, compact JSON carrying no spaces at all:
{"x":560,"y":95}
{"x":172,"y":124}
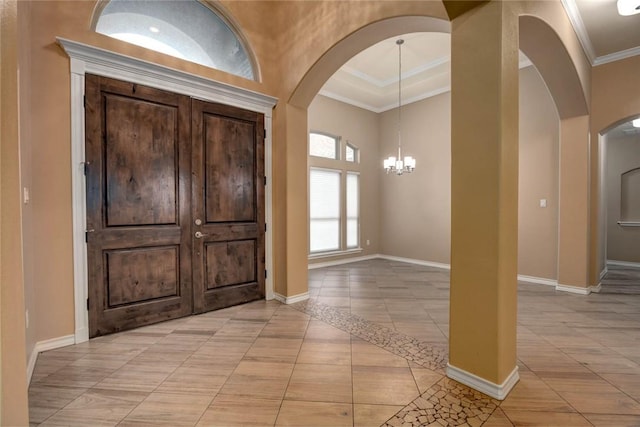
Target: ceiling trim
{"x":581,"y":30}
{"x":349,"y":101}
{"x":384,"y":83}
{"x":388,"y":107}
{"x":616,"y":56}
{"x":329,"y":94}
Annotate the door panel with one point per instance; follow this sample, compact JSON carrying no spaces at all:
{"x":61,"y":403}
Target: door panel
{"x":229,"y":175}
{"x":141,"y":168}
{"x":228,"y":205}
{"x":138,"y":153}
{"x":230,"y":263}
{"x":132,"y":281}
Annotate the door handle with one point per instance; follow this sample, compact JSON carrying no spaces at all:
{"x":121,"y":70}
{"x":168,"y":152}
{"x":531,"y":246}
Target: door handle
{"x":200,"y":235}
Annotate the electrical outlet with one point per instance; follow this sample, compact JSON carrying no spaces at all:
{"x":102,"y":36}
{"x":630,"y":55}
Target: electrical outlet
{"x":25,"y":195}
{"x":368,"y":242}
{"x":26,"y":319}
{"x":543,"y":203}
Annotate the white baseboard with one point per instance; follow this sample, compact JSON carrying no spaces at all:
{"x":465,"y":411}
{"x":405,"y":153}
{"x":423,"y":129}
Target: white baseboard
{"x":497,"y":391}
{"x":44,"y":346}
{"x":577,"y":289}
{"x":604,"y":272}
{"x":529,"y":279}
{"x":342,"y":261}
{"x":537,"y":280}
{"x":625,"y":264}
{"x":292,"y":299}
{"x":416,"y":261}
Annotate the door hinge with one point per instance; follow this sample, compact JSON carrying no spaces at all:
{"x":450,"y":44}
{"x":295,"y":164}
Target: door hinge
{"x":265,"y":180}
{"x":86,"y":235}
{"x":265,"y":274}
{"x":85,"y":167}
{"x":265,"y":226}
{"x":87,"y":304}
{"x":265,"y":133}
{"x":84,"y":101}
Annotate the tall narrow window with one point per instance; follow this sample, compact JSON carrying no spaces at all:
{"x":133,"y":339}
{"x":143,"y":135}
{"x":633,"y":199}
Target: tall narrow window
{"x":353,"y":210}
{"x":324,"y":210}
{"x":334,"y":195}
{"x":186,"y":29}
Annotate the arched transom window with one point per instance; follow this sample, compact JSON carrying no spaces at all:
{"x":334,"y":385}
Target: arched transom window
{"x":186,"y":29}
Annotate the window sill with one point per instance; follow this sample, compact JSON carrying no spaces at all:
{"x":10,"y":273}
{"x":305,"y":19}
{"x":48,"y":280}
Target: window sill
{"x":629,"y":223}
{"x":335,"y":253}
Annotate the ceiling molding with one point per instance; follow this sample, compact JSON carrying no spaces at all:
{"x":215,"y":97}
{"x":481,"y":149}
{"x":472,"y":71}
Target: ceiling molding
{"x":616,"y":56}
{"x":384,"y":83}
{"x":581,"y":30}
{"x":349,"y":101}
{"x":417,"y":98}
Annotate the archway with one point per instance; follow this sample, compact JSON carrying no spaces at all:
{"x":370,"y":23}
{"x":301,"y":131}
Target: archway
{"x":342,"y":51}
{"x":618,"y":216}
{"x":574,"y":122}
{"x":542,"y":44}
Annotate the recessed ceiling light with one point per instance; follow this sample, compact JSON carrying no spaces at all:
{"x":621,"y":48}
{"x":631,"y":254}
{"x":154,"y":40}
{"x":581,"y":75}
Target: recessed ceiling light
{"x":636,"y":123}
{"x":154,"y":29}
{"x":628,"y":7}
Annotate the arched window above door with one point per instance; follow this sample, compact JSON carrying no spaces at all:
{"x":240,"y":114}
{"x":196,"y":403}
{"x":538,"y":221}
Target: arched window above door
{"x":188,"y":29}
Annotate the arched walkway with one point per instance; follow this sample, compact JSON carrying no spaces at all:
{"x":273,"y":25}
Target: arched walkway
{"x":484,"y":132}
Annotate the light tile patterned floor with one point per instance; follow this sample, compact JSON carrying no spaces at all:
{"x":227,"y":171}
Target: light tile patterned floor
{"x":368,"y":349}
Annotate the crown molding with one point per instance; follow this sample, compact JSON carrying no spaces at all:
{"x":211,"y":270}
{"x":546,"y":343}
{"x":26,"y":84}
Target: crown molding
{"x":617,"y":56}
{"x":573,"y":13}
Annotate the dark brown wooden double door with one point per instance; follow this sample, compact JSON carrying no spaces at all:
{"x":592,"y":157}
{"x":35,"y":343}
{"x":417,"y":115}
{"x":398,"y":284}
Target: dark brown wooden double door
{"x":175,"y":205}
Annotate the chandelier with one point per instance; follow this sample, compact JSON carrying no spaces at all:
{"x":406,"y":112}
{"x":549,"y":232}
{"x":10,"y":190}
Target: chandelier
{"x":392,"y":164}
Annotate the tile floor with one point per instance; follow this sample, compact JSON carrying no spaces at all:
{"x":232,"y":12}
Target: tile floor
{"x":369,"y":348}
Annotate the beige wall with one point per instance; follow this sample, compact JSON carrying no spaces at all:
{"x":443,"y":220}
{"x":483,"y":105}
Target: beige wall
{"x":622,"y":155}
{"x":28,"y":237}
{"x":415,"y":209}
{"x":538,"y":178}
{"x":13,"y":391}
{"x":360,"y":128}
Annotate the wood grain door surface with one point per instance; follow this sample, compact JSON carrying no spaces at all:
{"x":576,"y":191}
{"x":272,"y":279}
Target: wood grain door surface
{"x":228,"y":205}
{"x":145,"y":263}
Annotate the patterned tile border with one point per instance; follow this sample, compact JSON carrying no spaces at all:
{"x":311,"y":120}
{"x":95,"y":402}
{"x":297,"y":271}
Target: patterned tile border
{"x":430,"y":356}
{"x":446,"y":403}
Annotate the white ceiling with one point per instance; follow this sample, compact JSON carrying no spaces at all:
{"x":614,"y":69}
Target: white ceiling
{"x":370,"y":79}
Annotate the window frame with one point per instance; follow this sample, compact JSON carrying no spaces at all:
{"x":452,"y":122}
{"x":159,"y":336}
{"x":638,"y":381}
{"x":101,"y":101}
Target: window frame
{"x":339,"y":218}
{"x":338,"y":145}
{"x":345,"y":168}
{"x":356,"y":152}
{"x":222,"y":14}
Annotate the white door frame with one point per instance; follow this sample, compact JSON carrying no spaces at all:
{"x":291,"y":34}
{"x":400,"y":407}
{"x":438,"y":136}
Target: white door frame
{"x":88,"y":59}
